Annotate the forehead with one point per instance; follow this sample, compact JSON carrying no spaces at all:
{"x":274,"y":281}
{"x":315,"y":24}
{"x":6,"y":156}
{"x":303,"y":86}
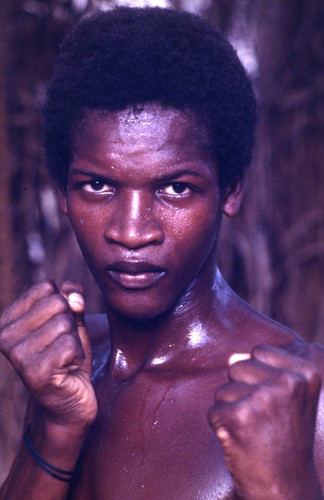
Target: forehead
{"x":150,"y":127}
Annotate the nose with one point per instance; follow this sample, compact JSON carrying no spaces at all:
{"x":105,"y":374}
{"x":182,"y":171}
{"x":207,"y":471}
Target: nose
{"x":133,"y":224}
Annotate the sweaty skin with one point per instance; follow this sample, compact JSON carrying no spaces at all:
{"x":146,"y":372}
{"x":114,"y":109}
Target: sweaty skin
{"x":144,"y":201}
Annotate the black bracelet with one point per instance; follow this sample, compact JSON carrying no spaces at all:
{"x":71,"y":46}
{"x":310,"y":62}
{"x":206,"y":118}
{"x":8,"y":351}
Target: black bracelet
{"x":62,"y":475}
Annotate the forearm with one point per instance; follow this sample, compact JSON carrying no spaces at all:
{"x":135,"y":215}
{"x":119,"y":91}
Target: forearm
{"x":304,"y":487}
{"x":60,"y":447}
{"x":310,"y":487}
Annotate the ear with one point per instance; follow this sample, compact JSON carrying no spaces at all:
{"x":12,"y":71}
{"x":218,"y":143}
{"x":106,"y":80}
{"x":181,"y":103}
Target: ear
{"x":62,"y":201}
{"x":233,"y":198}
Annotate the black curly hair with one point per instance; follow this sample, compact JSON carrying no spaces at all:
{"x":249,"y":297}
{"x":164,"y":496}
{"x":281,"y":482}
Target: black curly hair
{"x":130,"y":56}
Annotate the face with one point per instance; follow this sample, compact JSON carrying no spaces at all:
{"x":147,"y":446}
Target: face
{"x":144,"y":202}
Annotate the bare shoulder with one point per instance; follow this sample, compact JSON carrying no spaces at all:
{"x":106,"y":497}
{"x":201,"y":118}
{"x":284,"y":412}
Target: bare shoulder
{"x":260,"y":329}
{"x":254,"y":328}
{"x":264,"y":330}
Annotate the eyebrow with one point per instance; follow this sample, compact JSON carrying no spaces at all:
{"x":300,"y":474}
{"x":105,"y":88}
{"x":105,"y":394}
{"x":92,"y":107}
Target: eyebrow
{"x":180,"y":173}
{"x":84,"y":172}
{"x":166,"y":177}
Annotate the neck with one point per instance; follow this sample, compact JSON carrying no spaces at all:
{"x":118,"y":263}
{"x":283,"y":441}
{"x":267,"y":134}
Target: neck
{"x":168,"y":342}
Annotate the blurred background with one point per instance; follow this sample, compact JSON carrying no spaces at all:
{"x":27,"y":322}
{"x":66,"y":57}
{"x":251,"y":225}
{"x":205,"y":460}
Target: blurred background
{"x":272,"y":254}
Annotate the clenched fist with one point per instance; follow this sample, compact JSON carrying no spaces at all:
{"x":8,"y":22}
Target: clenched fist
{"x":265,"y":419}
{"x":44,"y":336}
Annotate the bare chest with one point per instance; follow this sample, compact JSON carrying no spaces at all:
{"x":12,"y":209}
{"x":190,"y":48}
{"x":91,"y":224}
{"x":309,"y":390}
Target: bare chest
{"x":152,"y":441}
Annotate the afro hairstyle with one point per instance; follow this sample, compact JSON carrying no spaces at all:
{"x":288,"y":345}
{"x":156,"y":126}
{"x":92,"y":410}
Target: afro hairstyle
{"x":131,"y":56}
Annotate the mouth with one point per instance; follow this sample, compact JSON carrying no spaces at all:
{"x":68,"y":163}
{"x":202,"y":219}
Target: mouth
{"x":134,"y":275}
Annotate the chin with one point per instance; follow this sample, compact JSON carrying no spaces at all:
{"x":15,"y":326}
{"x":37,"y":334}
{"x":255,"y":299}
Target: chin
{"x":140,"y":319}
{"x":140,"y":311}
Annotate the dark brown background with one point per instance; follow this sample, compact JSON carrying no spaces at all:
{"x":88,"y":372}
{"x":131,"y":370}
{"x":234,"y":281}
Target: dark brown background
{"x":272,"y":254}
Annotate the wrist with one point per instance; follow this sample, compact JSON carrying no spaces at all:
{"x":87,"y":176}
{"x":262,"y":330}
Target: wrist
{"x":311,"y":486}
{"x":307,"y":486}
{"x":50,"y":469}
{"x":58,"y":444}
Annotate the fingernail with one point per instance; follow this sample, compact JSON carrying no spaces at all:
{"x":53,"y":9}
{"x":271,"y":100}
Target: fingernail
{"x":238,"y":356}
{"x":222,"y":434}
{"x":76,"y":300}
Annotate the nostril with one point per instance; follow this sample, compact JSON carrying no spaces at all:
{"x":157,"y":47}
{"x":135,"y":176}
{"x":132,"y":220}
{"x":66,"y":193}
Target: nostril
{"x":134,"y":236}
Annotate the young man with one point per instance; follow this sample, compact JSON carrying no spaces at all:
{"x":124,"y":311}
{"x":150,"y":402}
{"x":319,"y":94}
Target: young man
{"x":149,"y":127}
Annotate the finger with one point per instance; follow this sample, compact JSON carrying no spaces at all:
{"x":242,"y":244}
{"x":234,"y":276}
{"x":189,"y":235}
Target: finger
{"x":232,"y":391}
{"x":69,"y":287}
{"x":280,"y":358}
{"x":75,"y":296}
{"x":41,"y":339}
{"x":243,"y":415}
{"x":54,"y":364}
{"x":226,"y":418}
{"x":66,"y":353}
{"x":252,"y":372}
{"x":76,"y":303}
{"x":33,"y":319}
{"x":85,"y":343}
{"x":216,"y":422}
{"x":27,"y":300}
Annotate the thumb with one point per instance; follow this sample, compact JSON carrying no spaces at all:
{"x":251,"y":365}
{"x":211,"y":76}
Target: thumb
{"x":77,"y":306}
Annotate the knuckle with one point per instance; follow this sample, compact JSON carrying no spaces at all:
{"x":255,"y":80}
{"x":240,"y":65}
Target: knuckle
{"x":8,"y":316}
{"x":67,"y":343}
{"x":60,"y":304}
{"x":6,"y":339}
{"x":63,"y":324}
{"x":314,"y":378}
{"x":4,"y":319}
{"x":70,"y":347}
{"x":235,"y":370}
{"x":242,"y":414}
{"x":263,"y":352}
{"x":263,"y":398}
{"x":47,"y":286}
{"x":40,"y":290}
{"x":292,"y":381}
{"x":260,"y":349}
{"x":3,"y":336}
{"x":214,"y":416}
{"x":16,"y":355}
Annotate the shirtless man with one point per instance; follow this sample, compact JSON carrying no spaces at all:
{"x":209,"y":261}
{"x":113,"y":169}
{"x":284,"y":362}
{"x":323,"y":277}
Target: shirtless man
{"x":149,"y":127}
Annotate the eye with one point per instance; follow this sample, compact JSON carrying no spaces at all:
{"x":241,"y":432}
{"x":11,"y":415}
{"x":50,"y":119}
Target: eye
{"x":97,"y":187}
{"x":176,"y":189}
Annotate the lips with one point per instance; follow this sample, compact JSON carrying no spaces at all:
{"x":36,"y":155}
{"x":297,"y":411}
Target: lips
{"x":134,"y":275}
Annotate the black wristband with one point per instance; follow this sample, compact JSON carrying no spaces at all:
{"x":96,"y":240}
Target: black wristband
{"x":62,"y":475}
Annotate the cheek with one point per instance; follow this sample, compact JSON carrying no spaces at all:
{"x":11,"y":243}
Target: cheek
{"x":198,"y":224}
{"x":195,"y":234}
{"x":85,"y":221}
{"x":87,"y":231}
